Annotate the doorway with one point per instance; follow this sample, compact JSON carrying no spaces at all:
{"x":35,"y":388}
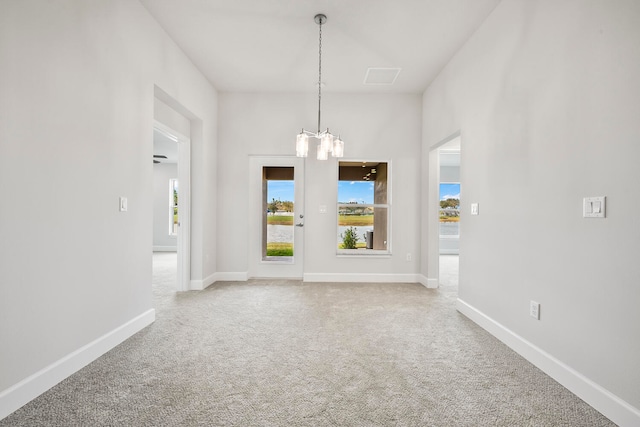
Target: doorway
{"x":276,"y":231}
{"x":449,"y":191}
{"x":171,"y":236}
{"x":449,"y":197}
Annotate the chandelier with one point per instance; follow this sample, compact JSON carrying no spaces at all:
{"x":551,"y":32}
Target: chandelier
{"x":328,"y":142}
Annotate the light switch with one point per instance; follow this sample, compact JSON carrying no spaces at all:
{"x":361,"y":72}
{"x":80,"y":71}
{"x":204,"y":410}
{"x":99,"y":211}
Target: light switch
{"x":475,"y":210}
{"x":594,"y":207}
{"x":123,"y":204}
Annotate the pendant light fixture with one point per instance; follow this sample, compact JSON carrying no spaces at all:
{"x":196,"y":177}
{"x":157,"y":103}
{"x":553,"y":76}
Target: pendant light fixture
{"x":328,"y":142}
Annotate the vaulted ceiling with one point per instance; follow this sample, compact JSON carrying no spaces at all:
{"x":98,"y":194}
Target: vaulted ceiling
{"x":272,"y":45}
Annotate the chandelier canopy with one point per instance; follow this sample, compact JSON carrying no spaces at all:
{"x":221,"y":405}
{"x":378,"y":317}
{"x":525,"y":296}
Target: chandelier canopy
{"x":328,"y":142}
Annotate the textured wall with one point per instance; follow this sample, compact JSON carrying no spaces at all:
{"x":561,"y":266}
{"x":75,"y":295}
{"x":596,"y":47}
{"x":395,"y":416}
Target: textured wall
{"x":374,"y":127}
{"x":546,"y":96}
{"x":76,"y":117}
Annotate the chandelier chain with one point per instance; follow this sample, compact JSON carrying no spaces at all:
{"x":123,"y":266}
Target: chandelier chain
{"x":328,"y":142}
{"x":319,"y":73}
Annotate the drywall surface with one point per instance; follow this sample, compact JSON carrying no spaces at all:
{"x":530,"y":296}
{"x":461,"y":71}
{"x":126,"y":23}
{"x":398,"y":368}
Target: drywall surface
{"x":374,"y":127}
{"x":76,"y":125}
{"x":162,"y":213}
{"x":546,"y":96}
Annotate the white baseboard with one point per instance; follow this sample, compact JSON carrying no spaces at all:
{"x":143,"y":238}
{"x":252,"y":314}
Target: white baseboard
{"x":230,"y":276}
{"x":360,"y":277}
{"x":165,"y":249}
{"x":449,"y":251}
{"x":428,"y":283}
{"x":198,"y":285}
{"x":31,"y":387}
{"x":610,"y":405}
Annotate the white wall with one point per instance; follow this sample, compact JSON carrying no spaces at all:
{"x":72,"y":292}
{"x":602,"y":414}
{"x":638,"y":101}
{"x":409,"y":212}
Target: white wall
{"x":162,"y":173}
{"x":76,"y":117}
{"x":546,"y":96}
{"x":376,"y":127}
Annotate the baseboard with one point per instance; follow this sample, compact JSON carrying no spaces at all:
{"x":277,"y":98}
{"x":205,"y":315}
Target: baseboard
{"x":165,"y":249}
{"x":198,"y":285}
{"x":31,"y":387}
{"x":610,"y":405}
{"x":360,"y":277}
{"x":449,"y":251}
{"x":230,"y":276}
{"x":428,"y":283}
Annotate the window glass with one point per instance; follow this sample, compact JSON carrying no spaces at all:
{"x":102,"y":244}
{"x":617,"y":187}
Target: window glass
{"x":173,"y":207}
{"x":450,"y":209}
{"x":278,"y":234}
{"x":363,"y":207}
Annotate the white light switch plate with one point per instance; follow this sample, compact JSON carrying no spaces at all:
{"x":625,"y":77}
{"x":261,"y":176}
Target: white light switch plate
{"x":594,"y":207}
{"x":475,"y":209}
{"x":534,"y":310}
{"x":123,"y":204}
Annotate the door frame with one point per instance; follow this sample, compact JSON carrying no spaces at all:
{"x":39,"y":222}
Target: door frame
{"x":183,"y":241}
{"x":258,"y":267}
{"x":433,"y":213}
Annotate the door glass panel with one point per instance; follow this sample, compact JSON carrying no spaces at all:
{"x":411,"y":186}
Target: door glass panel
{"x":278,"y":222}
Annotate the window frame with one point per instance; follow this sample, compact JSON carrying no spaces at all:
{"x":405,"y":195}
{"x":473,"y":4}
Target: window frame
{"x":173,"y":206}
{"x":366,"y":253}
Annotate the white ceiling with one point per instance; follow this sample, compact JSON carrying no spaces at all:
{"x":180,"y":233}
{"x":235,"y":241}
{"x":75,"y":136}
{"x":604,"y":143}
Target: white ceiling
{"x":272,"y":45}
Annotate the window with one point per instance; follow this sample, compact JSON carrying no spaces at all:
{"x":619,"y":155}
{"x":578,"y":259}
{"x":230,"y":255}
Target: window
{"x":449,"y":209}
{"x":173,"y":207}
{"x":363,"y":208}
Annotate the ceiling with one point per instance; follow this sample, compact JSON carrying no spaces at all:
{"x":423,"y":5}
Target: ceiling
{"x":272,"y":45}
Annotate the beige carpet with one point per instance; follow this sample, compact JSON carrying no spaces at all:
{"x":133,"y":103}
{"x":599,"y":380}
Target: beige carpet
{"x":286,"y":353}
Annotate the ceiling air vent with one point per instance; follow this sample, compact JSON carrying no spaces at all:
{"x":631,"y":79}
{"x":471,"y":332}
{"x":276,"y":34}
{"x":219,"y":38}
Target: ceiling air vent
{"x":381,"y":76}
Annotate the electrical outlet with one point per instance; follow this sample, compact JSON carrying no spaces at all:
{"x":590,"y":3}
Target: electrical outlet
{"x":409,"y":257}
{"x":534,"y":310}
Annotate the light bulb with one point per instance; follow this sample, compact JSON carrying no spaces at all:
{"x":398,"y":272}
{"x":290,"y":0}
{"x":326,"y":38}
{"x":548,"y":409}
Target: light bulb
{"x":322,"y":154}
{"x":327,"y":142}
{"x":302,"y":145}
{"x":338,"y":148}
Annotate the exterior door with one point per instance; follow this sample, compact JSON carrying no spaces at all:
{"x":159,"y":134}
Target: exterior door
{"x":276,"y":239}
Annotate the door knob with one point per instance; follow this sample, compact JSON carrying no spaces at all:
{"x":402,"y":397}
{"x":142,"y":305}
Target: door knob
{"x":299,"y":224}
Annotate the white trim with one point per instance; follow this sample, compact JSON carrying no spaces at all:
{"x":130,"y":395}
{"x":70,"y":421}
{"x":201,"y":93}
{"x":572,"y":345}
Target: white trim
{"x":31,"y":387}
{"x":165,"y":248}
{"x":183,"y":243}
{"x":610,"y":405}
{"x":258,"y":267}
{"x":361,"y":277}
{"x":199,"y":285}
{"x":427,"y":282}
{"x":449,"y":251}
{"x":231,"y":276}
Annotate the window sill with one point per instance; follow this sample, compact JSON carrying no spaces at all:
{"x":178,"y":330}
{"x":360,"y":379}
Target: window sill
{"x":363,"y":253}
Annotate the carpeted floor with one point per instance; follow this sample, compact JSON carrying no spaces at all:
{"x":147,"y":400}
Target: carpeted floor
{"x":286,"y":353}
